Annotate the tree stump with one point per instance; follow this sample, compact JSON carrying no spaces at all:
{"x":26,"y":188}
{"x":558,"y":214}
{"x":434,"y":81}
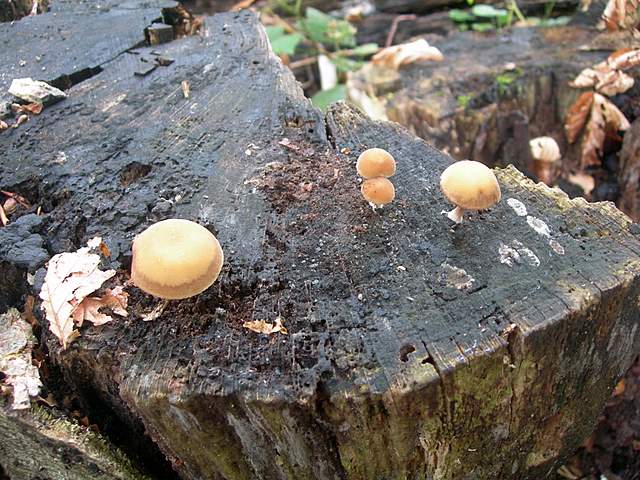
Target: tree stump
{"x":413,"y":350}
{"x":495,"y":91}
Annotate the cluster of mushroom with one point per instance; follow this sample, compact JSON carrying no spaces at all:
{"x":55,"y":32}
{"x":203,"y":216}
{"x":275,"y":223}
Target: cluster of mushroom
{"x":376,"y":165}
{"x":175,"y":258}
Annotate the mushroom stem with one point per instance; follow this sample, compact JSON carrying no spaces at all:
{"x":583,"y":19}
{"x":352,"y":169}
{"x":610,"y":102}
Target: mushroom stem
{"x":456,"y":214}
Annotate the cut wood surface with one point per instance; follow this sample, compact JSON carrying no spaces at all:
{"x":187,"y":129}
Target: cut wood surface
{"x":414,"y":350}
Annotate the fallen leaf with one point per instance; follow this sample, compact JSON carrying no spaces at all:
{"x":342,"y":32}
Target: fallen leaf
{"x":16,"y":343}
{"x":115,"y":299}
{"x":21,"y":119}
{"x":614,"y":82}
{"x":70,"y":278}
{"x":624,"y":60}
{"x":285,"y":142}
{"x":620,"y":14}
{"x":261,"y":326}
{"x":577,"y":116}
{"x":10,"y":206}
{"x":156,"y":312}
{"x":406,"y":53}
{"x":34,"y":108}
{"x":3,"y":125}
{"x":18,"y":198}
{"x":3,"y":217}
{"x":604,"y":117}
{"x":594,"y":138}
{"x":586,"y":78}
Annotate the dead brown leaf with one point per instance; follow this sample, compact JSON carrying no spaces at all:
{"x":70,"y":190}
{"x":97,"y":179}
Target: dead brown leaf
{"x":604,"y":117}
{"x":577,"y":116}
{"x":585,"y":181}
{"x":18,"y":198}
{"x":586,"y":78}
{"x":406,"y":53}
{"x":33,"y":108}
{"x":614,"y":82}
{"x":70,"y":278}
{"x":620,"y":14}
{"x":261,"y":326}
{"x":625,"y":59}
{"x":3,"y":217}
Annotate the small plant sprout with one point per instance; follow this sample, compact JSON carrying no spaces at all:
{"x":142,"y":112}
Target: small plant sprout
{"x":469,"y":185}
{"x":175,"y":259}
{"x":378,"y":191}
{"x":545,"y":153}
{"x":376,"y":162}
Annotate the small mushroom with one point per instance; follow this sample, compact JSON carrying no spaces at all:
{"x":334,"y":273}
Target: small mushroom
{"x":175,"y":259}
{"x":378,"y":191}
{"x":545,"y":153}
{"x":469,"y":185}
{"x":376,"y":162}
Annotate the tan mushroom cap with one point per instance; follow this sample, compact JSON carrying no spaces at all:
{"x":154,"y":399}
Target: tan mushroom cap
{"x":378,"y":191}
{"x":470,"y":185}
{"x":376,"y":162}
{"x":545,"y":149}
{"x":175,"y":259}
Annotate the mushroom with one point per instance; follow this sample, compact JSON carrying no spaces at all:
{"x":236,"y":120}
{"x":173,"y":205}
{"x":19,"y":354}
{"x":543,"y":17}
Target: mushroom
{"x":545,"y":153}
{"x":469,"y":185}
{"x":378,"y":191}
{"x":175,"y":259}
{"x":376,"y":162}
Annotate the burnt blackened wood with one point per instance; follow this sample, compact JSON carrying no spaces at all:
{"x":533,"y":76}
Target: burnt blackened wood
{"x":414,"y":350}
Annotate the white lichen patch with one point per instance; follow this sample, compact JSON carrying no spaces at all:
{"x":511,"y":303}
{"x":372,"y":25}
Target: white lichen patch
{"x":517,"y":206}
{"x":517,"y":254}
{"x":556,"y":247}
{"x":455,"y":277}
{"x":539,"y":226}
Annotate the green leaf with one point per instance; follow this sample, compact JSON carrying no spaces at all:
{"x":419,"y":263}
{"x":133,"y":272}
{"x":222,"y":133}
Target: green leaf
{"x":324,"y":98}
{"x":488,"y":11}
{"x":327,"y":30}
{"x":287,"y":43}
{"x":365,"y":50}
{"x":482,"y":26}
{"x":460,"y":16}
{"x":274,"y":32}
{"x":344,"y":64}
{"x":463,"y":100}
{"x":555,"y":22}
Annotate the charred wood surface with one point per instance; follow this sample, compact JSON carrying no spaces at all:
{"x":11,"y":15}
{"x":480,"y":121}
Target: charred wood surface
{"x":414,"y":350}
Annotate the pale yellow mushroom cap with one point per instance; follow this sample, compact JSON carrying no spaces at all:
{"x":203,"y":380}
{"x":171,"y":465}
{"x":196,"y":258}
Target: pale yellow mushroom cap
{"x":175,"y":259}
{"x":376,"y":162}
{"x":378,"y":191}
{"x":470,"y":185}
{"x":545,"y":149}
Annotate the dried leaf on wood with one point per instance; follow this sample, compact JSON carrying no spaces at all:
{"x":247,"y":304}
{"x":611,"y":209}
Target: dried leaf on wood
{"x":69,"y":279}
{"x":16,"y":342}
{"x":399,"y":55}
{"x":577,"y":116}
{"x":89,"y":309}
{"x":614,"y":82}
{"x":34,"y":108}
{"x":585,"y":181}
{"x":624,"y":59}
{"x":604,"y":117}
{"x":586,"y":78}
{"x":261,"y":326}
{"x":620,"y":14}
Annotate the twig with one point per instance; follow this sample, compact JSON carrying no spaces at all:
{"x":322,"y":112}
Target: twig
{"x":303,"y":62}
{"x":394,"y":27}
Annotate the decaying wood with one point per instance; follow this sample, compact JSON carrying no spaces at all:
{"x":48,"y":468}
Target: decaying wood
{"x":629,"y":177}
{"x":413,"y":350}
{"x":38,"y":444}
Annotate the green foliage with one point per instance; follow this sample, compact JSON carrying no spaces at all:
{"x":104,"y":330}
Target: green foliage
{"x":324,"y":29}
{"x":506,"y":79}
{"x":323,"y":98}
{"x":281,"y":42}
{"x":463,"y":100}
{"x":480,"y":18}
